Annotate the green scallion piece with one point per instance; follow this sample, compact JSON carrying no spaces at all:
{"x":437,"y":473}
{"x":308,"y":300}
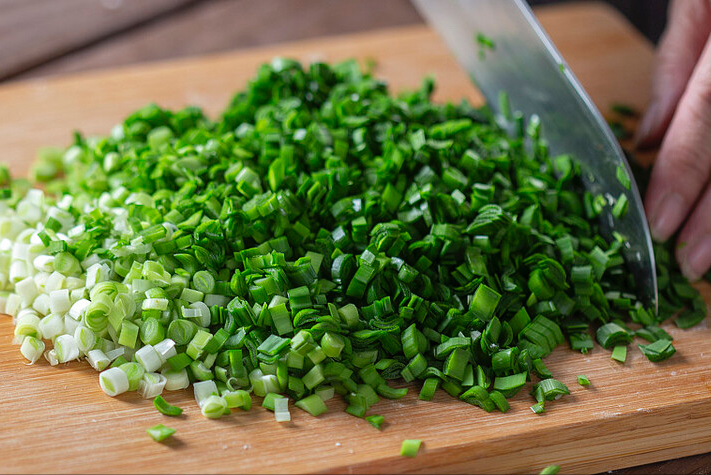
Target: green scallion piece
{"x":611,"y":334}
{"x":375,"y":420}
{"x":550,"y":470}
{"x":165,"y":408}
{"x":410,"y":447}
{"x":659,"y":350}
{"x":313,"y":404}
{"x":619,"y":353}
{"x":160,"y":432}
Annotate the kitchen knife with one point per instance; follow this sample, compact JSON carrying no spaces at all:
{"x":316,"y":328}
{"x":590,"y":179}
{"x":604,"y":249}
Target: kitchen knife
{"x":523,"y":62}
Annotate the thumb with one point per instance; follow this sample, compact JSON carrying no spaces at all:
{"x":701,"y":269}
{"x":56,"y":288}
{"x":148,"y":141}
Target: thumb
{"x":681,"y":45}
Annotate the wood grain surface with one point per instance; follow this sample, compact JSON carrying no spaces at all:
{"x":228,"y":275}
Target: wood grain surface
{"x":58,"y":420}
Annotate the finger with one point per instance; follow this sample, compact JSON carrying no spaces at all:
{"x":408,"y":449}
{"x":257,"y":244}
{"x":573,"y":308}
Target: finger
{"x":694,"y":245}
{"x":679,"y":50}
{"x":682,"y":167}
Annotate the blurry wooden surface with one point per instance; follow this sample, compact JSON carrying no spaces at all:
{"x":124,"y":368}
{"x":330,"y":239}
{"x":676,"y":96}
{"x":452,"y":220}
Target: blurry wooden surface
{"x":96,"y":34}
{"x":33,"y":32}
{"x":109,"y":33}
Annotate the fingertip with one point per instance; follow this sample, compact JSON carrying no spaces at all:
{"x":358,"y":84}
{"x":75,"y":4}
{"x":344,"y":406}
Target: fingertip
{"x":694,"y":255}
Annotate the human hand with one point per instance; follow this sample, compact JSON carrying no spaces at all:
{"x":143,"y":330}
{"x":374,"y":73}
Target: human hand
{"x":679,"y":116}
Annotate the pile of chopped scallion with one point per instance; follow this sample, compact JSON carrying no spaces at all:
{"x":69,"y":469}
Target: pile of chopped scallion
{"x":321,"y":237}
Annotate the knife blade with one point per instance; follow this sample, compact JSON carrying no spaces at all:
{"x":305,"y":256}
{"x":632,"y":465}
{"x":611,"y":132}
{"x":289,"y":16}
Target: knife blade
{"x":524,"y":63}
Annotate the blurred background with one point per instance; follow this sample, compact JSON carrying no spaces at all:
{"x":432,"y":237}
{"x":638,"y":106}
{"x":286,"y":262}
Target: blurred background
{"x":48,"y":37}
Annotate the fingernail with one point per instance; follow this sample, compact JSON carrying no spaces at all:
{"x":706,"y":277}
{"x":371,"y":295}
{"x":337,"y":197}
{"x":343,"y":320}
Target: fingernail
{"x":667,"y":217}
{"x":697,"y":259}
{"x":648,"y":123}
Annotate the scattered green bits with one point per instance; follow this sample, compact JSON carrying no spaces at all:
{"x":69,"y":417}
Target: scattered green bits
{"x":623,"y":177}
{"x":659,"y":350}
{"x":160,"y":432}
{"x":375,"y":420}
{"x":550,"y":470}
{"x":165,"y":408}
{"x":485,"y":44}
{"x":583,"y":380}
{"x":619,"y":353}
{"x":410,"y":447}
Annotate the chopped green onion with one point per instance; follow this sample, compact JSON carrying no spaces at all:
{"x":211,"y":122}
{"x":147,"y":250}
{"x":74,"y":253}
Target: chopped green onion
{"x":658,"y":350}
{"x":375,"y":420}
{"x":410,"y":447}
{"x":619,"y":353}
{"x":165,"y":408}
{"x":550,"y":470}
{"x":114,"y":381}
{"x":305,"y":243}
{"x":160,"y":432}
{"x":550,"y":389}
{"x":313,"y":404}
{"x":611,"y":334}
{"x":583,"y":380}
{"x":428,"y":389}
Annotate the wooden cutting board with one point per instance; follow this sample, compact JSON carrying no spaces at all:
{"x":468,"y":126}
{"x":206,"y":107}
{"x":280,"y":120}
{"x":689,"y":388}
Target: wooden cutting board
{"x":58,"y":420}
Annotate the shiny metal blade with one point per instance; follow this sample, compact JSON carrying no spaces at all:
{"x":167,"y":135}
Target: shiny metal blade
{"x":525,"y":64}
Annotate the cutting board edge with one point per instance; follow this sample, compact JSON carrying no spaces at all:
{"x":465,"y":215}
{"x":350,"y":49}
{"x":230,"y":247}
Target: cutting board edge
{"x":459,"y":458}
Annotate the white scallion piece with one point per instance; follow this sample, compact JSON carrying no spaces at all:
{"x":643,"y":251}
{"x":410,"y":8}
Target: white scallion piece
{"x":149,"y":358}
{"x":51,"y":326}
{"x":55,"y":281}
{"x":203,"y":390}
{"x":85,"y":338}
{"x":3,"y":303}
{"x":18,"y":271}
{"x":203,"y":317}
{"x":13,"y":303}
{"x":51,"y":357}
{"x":70,"y":325}
{"x":151,"y":385}
{"x":281,"y":409}
{"x":27,"y":290}
{"x":176,"y":380}
{"x":213,"y":407}
{"x":66,"y":349}
{"x":27,"y":323}
{"x":41,"y":304}
{"x":98,"y":360}
{"x":32,"y":348}
{"x":165,"y":349}
{"x":76,"y":311}
{"x":155,"y":304}
{"x":41,"y":280}
{"x":77,"y":294}
{"x":59,"y":301}
{"x":115,"y":353}
{"x":20,"y":252}
{"x":74,"y":283}
{"x":44,"y":263}
{"x":113,"y":381}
